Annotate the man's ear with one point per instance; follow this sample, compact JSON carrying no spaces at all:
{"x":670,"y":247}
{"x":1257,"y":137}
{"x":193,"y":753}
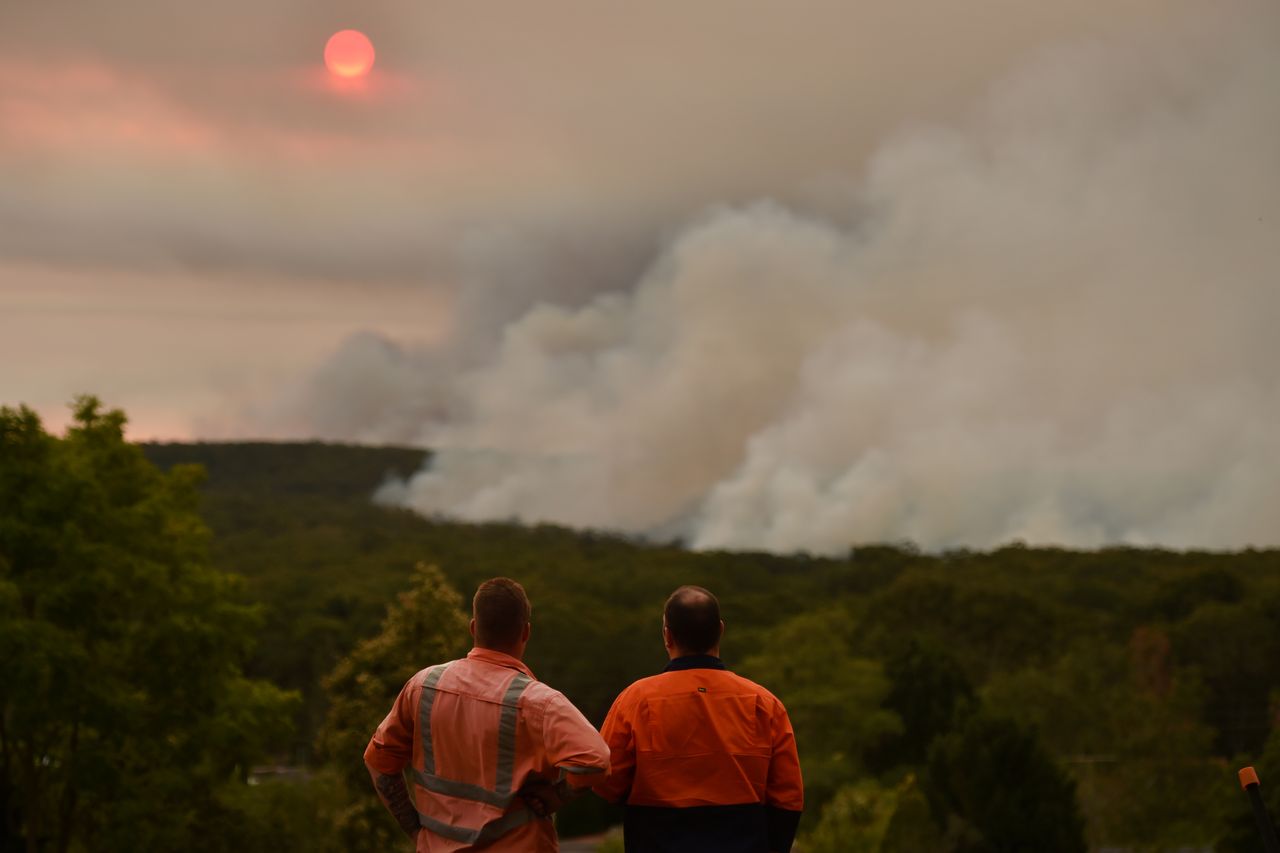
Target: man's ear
{"x":666,"y":637}
{"x":472,"y":629}
{"x":524,"y":635}
{"x":722,"y":628}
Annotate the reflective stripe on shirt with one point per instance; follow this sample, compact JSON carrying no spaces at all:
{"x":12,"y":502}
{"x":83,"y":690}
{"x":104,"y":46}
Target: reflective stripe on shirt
{"x":501,"y":795}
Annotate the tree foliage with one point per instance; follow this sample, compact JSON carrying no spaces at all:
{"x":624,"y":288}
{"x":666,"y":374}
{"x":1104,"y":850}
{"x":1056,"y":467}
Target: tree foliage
{"x":1130,"y":731}
{"x":425,"y":626}
{"x":835,"y":710}
{"x":927,"y":690}
{"x":1001,"y":791}
{"x":867,"y":817}
{"x":124,"y":707}
{"x":1146,"y":674}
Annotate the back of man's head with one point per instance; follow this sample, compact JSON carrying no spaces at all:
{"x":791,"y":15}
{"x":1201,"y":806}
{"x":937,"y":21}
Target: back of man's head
{"x":501,"y":610}
{"x":692,"y":615}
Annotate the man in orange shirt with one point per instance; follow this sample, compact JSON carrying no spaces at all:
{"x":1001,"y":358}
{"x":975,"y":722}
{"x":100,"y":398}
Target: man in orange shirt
{"x":481,"y":734}
{"x":704,"y":760}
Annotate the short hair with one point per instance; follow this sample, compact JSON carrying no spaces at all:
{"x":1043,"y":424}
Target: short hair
{"x":693,"y":617}
{"x":501,"y":610}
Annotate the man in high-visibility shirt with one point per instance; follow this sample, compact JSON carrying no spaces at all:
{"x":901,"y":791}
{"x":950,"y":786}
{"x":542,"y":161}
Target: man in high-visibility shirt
{"x":704,"y":760}
{"x":481,"y":735}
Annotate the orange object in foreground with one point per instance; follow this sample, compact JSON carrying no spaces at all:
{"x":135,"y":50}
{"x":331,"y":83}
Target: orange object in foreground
{"x":1248,"y":776}
{"x":475,"y":730}
{"x":1266,"y":829}
{"x":698,"y":742}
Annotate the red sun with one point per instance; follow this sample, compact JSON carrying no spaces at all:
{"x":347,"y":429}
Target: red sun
{"x":349,"y":53}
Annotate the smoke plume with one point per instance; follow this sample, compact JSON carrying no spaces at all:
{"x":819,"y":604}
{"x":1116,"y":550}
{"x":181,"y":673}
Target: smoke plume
{"x":1049,"y":320}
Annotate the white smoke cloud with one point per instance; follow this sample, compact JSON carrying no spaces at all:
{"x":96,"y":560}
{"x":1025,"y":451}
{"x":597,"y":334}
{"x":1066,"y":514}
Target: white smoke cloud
{"x":498,"y":159}
{"x":1051,"y":321}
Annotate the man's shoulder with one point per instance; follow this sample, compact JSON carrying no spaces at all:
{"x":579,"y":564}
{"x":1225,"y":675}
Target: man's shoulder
{"x":539,"y":696}
{"x":759,"y":689}
{"x":422,"y":673}
{"x":745,"y":685}
{"x":676,"y":681}
{"x":639,"y":689}
{"x":654,"y":687}
{"x":415,"y":681}
{"x":541,"y":693}
{"x":649,"y":684}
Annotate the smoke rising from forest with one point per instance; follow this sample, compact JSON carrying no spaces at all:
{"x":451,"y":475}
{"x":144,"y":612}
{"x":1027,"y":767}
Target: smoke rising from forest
{"x":737,"y":271}
{"x":1050,"y":320}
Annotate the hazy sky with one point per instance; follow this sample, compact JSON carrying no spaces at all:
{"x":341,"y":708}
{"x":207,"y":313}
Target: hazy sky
{"x":760,"y":273}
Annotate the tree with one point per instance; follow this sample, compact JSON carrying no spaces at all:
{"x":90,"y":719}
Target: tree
{"x":1127,"y":726}
{"x":424,"y":627}
{"x":124,"y":706}
{"x":1235,"y":648}
{"x":1002,"y":790}
{"x":1241,"y":828}
{"x":854,"y":820}
{"x":867,"y":818}
{"x":928,"y":688}
{"x":986,"y":627}
{"x":833,"y":699}
{"x":1182,"y":595}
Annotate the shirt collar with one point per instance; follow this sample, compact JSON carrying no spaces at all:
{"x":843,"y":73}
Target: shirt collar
{"x":695,"y":662}
{"x":499,"y":659}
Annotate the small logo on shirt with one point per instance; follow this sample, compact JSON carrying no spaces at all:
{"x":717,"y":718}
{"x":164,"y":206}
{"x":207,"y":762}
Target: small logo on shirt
{"x":702,"y":690}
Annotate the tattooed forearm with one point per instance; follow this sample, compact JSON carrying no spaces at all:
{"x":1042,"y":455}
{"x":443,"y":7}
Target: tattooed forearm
{"x":395,"y":795}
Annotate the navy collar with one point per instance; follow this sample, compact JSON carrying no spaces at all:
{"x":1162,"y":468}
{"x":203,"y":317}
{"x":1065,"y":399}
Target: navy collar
{"x":695,"y":662}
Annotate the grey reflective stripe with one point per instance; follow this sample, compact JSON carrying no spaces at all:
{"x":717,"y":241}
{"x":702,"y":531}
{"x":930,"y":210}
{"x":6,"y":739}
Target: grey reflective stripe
{"x":502,"y":795}
{"x":426,"y":700}
{"x":487,"y":834}
{"x":507,"y":732}
{"x":495,"y":829}
{"x":457,"y":833}
{"x":464,"y":790}
{"x":573,"y":768}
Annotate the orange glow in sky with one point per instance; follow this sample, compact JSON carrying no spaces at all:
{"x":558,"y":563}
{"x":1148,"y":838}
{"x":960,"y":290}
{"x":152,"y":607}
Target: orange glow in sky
{"x":349,"y":53}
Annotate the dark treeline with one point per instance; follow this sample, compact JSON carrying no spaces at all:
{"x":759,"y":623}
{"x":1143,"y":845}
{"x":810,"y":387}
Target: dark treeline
{"x":1024,"y":698}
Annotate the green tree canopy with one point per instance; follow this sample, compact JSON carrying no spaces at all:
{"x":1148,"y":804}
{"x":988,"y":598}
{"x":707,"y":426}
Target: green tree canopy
{"x":1002,"y":791}
{"x":124,"y":706}
{"x":835,"y":708}
{"x":1129,"y":731}
{"x":868,"y":818}
{"x":1142,"y":670}
{"x":928,"y":688}
{"x":1236,"y":649}
{"x":426,"y":626}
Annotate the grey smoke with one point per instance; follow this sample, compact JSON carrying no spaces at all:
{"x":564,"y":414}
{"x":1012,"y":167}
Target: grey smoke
{"x":745,"y":271}
{"x":1051,"y":320}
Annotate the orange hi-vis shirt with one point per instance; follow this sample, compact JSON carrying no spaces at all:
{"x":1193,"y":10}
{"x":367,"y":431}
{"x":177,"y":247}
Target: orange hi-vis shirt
{"x":703,"y":756}
{"x":474,"y":731}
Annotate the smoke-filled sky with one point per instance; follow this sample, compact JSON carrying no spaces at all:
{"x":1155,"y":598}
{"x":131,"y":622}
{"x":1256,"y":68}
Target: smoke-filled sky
{"x":757,"y":274}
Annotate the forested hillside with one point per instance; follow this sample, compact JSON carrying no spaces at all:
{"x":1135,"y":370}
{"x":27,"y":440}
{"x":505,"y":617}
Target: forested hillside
{"x":1022,"y":699}
{"x":1145,"y":676}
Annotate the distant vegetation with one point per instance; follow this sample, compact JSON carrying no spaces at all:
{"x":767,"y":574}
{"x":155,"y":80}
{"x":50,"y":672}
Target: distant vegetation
{"x":1022,"y":699}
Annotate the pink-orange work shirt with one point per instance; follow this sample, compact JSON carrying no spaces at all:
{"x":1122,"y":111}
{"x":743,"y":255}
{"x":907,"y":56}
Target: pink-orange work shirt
{"x":484,"y":727}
